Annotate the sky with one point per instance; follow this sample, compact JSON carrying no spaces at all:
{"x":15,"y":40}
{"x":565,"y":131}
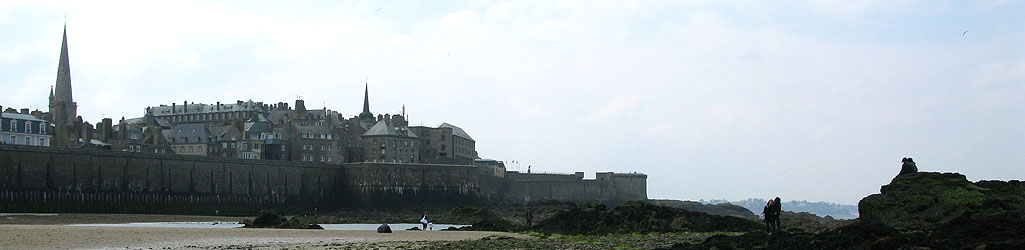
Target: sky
{"x":805,"y":100}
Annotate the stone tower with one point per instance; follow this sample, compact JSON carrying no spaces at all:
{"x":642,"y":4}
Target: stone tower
{"x":63,"y":109}
{"x":366,"y":115}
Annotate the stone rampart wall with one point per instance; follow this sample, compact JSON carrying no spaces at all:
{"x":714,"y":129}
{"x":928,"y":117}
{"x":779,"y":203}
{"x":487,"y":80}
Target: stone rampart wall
{"x":42,"y":179}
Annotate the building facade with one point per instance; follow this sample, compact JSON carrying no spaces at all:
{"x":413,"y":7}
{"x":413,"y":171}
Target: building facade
{"x":192,"y":139}
{"x":390,"y":140}
{"x":446,"y":144}
{"x":24,"y":129}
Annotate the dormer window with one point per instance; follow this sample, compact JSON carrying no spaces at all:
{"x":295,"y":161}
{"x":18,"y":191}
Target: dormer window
{"x":28,"y":127}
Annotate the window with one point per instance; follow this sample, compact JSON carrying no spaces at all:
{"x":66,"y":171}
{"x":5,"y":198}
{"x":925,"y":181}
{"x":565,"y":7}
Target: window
{"x":28,"y":140}
{"x":28,"y":127}
{"x":42,"y":142}
{"x":224,"y":145}
{"x":14,"y":124}
{"x":14,"y":140}
{"x":42,"y":128}
{"x":190,"y":149}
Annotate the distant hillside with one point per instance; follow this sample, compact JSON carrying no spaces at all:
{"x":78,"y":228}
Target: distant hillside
{"x":837,"y":211}
{"x":724,"y":209}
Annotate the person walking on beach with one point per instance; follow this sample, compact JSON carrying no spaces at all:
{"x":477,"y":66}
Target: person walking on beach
{"x":767,"y":214}
{"x":424,"y":221}
{"x":776,"y":212}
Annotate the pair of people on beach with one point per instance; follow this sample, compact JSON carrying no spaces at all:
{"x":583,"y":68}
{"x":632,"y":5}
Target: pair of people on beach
{"x":773,"y":208}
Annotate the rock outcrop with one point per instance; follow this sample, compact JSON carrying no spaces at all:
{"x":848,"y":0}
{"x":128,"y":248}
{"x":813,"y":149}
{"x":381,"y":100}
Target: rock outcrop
{"x":270,"y":219}
{"x":924,"y":200}
{"x":921,"y":210}
{"x":640,"y":217}
{"x":384,"y":228}
{"x":724,"y":209}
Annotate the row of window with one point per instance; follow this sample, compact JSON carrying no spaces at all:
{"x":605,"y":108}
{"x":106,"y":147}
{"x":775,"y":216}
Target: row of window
{"x":322,"y":147}
{"x":393,"y":142}
{"x":28,"y":127}
{"x":190,"y":149}
{"x":316,"y":136}
{"x":198,"y":117}
{"x":324,"y":158}
{"x":28,"y":140}
{"x":138,"y":148}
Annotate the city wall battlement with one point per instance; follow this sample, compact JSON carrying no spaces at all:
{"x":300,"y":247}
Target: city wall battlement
{"x":45,"y":179}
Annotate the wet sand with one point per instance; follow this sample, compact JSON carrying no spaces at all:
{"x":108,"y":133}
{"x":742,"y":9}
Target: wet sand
{"x":79,"y":237}
{"x":50,"y":231}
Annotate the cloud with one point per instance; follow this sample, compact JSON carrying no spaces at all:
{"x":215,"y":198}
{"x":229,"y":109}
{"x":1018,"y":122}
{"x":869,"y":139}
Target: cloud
{"x":679,"y":86}
{"x":614,"y":107}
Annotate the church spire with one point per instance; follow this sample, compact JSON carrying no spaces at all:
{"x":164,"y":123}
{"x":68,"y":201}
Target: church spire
{"x":366,"y":104}
{"x":62,"y":92}
{"x":63,"y":109}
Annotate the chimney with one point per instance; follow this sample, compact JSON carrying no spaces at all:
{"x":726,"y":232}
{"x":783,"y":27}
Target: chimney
{"x":185,"y":107}
{"x":173,"y":106}
{"x":218,"y":106}
{"x":24,"y":111}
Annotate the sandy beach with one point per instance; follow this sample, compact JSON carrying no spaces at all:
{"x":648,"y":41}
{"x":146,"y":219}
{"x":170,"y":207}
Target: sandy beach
{"x":48,"y":231}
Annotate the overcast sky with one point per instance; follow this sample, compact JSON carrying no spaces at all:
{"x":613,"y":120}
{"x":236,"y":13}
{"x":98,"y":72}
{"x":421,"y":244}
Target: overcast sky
{"x":814,"y":100}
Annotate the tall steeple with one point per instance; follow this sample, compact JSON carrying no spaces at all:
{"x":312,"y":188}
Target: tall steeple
{"x":366,"y":115}
{"x":62,"y":91}
{"x":63,"y":109}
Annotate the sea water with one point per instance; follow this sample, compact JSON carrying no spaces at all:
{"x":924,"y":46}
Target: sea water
{"x":218,"y":224}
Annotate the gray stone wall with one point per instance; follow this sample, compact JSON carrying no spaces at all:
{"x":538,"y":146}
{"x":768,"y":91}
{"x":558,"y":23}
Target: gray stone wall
{"x":44,"y":179}
{"x":59,"y":179}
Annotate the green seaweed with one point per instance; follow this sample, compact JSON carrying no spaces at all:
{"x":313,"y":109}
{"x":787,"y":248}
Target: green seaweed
{"x":961,"y":196}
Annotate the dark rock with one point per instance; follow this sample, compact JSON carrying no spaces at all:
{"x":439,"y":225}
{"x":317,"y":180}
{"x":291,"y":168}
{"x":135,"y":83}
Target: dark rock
{"x":267,"y":219}
{"x":384,"y":228}
{"x":724,"y":209}
{"x":640,"y":217}
{"x":270,"y":219}
{"x":922,"y":200}
{"x":413,"y":229}
{"x":920,"y":210}
{"x":450,"y":228}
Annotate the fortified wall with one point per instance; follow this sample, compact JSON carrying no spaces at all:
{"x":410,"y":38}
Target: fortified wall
{"x":607,"y":187}
{"x":44,"y":179}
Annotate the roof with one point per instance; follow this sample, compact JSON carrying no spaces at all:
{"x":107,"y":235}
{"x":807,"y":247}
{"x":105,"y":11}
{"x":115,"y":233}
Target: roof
{"x":383,"y":128}
{"x":456,"y":131}
{"x":19,"y":116}
{"x":195,"y":132}
{"x":257,"y":127}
